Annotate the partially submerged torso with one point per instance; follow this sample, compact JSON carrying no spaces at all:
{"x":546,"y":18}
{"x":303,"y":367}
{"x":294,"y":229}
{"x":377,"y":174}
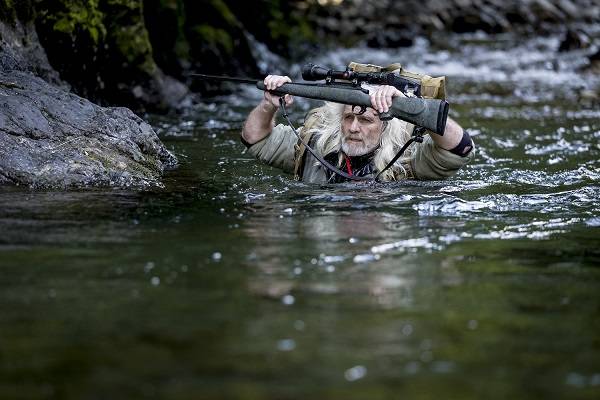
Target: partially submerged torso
{"x":281,"y":149}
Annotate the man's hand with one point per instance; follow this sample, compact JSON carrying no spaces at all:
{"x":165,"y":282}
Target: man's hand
{"x":381,"y":101}
{"x":260,"y":121}
{"x":382,"y":96}
{"x":272,"y":82}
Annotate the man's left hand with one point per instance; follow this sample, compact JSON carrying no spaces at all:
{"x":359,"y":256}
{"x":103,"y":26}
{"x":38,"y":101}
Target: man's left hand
{"x":382,"y":96}
{"x":381,"y":101}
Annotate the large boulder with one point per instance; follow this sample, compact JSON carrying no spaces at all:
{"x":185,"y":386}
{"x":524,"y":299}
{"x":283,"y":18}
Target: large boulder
{"x":52,"y":138}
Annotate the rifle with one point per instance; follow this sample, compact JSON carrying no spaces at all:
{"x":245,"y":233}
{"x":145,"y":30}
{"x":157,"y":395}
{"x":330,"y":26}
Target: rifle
{"x":430,"y":114}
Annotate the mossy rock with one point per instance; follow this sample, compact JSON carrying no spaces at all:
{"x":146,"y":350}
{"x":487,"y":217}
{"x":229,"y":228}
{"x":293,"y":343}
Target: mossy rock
{"x":13,"y":10}
{"x":73,"y":34}
{"x":102,"y":48}
{"x":165,"y":20}
{"x":52,"y":138}
{"x":217,"y":41}
{"x":127,"y":38}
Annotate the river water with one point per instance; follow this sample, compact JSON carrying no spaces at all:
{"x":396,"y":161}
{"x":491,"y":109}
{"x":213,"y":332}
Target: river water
{"x":236,"y":282}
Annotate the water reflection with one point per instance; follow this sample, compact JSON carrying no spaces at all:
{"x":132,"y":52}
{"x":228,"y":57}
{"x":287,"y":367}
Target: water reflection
{"x":243,"y":281}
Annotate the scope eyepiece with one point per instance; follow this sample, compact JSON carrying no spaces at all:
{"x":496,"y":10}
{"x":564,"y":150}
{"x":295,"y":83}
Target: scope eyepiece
{"x":312,"y":72}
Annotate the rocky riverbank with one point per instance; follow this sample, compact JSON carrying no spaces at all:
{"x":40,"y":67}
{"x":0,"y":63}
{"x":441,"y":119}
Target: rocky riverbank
{"x":53,"y":138}
{"x":55,"y":54}
{"x":389,"y":23}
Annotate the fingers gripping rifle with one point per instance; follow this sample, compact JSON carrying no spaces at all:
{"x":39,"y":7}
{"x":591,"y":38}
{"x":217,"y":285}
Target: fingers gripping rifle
{"x":430,"y":114}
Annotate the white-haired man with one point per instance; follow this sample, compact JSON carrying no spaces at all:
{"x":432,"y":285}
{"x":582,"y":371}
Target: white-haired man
{"x":359,"y":144}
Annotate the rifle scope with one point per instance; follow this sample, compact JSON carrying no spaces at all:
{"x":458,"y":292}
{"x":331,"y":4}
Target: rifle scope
{"x":312,"y":72}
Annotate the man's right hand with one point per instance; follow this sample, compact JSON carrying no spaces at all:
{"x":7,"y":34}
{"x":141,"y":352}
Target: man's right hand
{"x":272,"y":82}
{"x":260,"y":121}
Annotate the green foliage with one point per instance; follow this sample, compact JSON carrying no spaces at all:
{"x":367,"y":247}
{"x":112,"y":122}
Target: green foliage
{"x":74,"y":18}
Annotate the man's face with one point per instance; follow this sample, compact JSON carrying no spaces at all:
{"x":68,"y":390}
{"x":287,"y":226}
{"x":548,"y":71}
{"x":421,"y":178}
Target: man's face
{"x":360,"y":133}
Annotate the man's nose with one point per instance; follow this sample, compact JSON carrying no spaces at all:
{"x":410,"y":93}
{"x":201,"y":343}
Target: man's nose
{"x":355,"y":127}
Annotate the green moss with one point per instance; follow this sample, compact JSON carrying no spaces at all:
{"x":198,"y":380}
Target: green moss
{"x":127,"y":35}
{"x":215,"y":37}
{"x":134,"y":46}
{"x":182,"y":47}
{"x":225,"y":12}
{"x":75,"y":17}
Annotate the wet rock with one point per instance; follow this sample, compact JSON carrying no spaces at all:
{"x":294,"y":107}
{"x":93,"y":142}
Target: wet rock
{"x":492,"y":16}
{"x":53,"y":138}
{"x":574,"y":39}
{"x":218,"y":42}
{"x":20,"y":48}
{"x":546,"y":10}
{"x":279,"y":24}
{"x":165,"y":22}
{"x":594,"y":66}
{"x":191,"y":36}
{"x":390,"y":38}
{"x":569,"y":8}
{"x":588,"y":98}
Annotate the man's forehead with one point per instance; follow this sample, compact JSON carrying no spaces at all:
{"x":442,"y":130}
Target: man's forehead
{"x":356,"y":109}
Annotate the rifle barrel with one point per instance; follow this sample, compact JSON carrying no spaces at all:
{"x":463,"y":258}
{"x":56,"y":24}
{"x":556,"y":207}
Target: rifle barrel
{"x":431,"y":114}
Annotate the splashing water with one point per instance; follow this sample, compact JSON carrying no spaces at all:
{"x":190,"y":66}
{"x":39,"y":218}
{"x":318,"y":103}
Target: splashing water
{"x":242,"y":279}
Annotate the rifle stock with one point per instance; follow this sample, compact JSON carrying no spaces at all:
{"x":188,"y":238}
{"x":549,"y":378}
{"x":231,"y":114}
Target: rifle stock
{"x":431,"y":114}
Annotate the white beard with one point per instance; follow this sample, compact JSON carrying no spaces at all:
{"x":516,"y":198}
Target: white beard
{"x":357,"y":149}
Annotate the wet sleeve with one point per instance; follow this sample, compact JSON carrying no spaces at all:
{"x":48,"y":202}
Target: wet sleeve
{"x":429,"y":161}
{"x":277,"y":149}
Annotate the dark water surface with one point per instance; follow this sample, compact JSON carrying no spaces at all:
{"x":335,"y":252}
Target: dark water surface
{"x":235,"y":282}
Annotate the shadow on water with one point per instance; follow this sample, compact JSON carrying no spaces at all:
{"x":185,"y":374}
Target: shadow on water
{"x":237,"y":282}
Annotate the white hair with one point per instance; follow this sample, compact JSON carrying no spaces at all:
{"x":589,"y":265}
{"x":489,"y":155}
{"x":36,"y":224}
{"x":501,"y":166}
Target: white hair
{"x":394,"y":135}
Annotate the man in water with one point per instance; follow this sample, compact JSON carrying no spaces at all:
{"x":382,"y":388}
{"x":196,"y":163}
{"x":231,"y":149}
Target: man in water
{"x":359,"y":144}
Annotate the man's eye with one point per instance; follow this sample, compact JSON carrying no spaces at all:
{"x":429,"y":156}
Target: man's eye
{"x":349,"y":117}
{"x":365,"y":120}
